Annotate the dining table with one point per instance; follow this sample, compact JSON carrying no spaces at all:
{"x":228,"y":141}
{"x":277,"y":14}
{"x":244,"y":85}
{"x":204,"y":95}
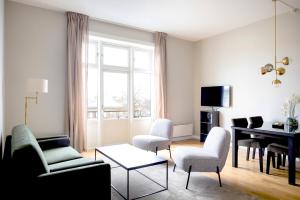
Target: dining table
{"x":289,"y":134}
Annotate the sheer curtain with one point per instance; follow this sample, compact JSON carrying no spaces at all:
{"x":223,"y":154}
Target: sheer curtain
{"x":77,"y":25}
{"x":160,"y":74}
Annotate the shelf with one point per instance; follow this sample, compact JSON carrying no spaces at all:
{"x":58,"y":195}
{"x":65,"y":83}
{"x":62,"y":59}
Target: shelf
{"x":208,"y":119}
{"x":205,"y":122}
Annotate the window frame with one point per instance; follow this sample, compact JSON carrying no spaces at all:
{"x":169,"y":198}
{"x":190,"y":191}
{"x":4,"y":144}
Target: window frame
{"x":97,"y":66}
{"x":130,"y":71}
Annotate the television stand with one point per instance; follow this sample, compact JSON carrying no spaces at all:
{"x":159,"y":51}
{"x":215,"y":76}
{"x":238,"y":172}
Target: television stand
{"x":214,"y":109}
{"x":208,"y":120}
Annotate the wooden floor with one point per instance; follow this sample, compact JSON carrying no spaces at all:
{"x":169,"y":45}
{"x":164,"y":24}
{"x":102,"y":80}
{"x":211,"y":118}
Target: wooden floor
{"x":247,"y":177}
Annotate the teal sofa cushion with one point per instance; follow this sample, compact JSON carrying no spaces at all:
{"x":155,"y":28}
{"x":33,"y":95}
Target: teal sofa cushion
{"x":61,"y":154}
{"x":73,"y":163}
{"x":26,"y":152}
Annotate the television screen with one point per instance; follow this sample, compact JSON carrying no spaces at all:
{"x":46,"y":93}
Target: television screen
{"x":218,"y":96}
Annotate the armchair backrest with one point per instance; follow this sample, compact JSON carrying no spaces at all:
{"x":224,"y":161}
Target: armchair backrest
{"x":162,"y":128}
{"x":218,"y":143}
{"x":26,"y":152}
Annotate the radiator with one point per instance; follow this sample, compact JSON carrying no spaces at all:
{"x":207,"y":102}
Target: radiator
{"x":180,"y":130}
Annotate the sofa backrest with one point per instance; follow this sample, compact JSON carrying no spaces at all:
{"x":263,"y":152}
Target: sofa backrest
{"x":26,"y":153}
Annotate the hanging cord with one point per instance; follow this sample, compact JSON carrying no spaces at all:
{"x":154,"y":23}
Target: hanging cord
{"x":275,"y":41}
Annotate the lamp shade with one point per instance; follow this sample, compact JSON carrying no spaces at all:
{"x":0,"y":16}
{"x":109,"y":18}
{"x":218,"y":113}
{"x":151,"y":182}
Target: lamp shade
{"x":37,"y":85}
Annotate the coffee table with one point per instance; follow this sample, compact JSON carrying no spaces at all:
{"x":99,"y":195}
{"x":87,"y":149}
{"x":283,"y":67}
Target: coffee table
{"x":132,"y":158}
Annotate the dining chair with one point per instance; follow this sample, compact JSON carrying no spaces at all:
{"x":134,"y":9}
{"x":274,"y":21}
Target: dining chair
{"x":279,"y":149}
{"x":246,"y":140}
{"x":276,"y":147}
{"x":255,"y":122}
{"x":249,"y":142}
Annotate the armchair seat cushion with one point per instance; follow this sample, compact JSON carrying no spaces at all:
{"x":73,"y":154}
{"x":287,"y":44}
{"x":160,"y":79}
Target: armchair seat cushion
{"x":150,"y":142}
{"x":198,"y":158}
{"x":61,"y":154}
{"x":73,"y":164}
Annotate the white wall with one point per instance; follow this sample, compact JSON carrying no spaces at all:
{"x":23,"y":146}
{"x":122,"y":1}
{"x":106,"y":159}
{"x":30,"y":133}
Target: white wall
{"x":180,"y":81}
{"x":36,"y":47}
{"x":1,"y":73}
{"x":120,"y":32}
{"x":235,"y":58}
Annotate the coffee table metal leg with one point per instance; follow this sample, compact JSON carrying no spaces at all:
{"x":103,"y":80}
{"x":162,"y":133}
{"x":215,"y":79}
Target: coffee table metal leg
{"x":95,"y":154}
{"x":128,"y":184}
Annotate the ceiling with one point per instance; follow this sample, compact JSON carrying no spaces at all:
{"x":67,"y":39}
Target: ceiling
{"x":187,"y":19}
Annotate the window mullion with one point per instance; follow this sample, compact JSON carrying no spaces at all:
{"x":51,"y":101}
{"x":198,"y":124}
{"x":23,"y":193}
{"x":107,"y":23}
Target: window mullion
{"x":101,"y":81}
{"x":131,"y":78}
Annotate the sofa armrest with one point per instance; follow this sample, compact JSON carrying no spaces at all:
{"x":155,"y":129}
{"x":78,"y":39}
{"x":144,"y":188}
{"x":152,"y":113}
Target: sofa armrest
{"x":54,"y":142}
{"x":90,"y":180}
{"x":7,"y":149}
{"x":91,"y":162}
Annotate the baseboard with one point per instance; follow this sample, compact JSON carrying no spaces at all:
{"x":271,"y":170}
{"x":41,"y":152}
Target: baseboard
{"x":189,"y":137}
{"x":197,"y":137}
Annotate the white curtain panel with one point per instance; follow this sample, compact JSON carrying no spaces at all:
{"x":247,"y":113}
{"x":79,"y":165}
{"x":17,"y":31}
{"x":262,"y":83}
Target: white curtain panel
{"x":77,"y":25}
{"x":160,"y":72}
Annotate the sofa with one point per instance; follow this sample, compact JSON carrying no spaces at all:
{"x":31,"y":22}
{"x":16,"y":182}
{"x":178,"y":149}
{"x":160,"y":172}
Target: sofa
{"x":52,"y":166}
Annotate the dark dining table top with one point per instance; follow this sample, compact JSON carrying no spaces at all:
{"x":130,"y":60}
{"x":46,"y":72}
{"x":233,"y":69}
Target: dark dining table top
{"x":266,"y":127}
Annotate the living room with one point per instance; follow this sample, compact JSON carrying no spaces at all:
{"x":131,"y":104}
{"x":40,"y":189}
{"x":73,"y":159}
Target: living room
{"x":204,"y":43}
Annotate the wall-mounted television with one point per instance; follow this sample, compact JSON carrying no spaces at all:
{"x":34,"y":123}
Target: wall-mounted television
{"x":215,"y":96}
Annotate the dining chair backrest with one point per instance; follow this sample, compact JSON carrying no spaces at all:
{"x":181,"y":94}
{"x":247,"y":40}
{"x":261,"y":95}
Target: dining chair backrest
{"x":239,"y":122}
{"x":256,"y":120}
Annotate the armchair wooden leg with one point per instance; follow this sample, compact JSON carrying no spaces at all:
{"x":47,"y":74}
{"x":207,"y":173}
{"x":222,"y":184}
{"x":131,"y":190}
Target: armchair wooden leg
{"x":218,"y":172}
{"x":170,"y":151}
{"x":248,"y":152}
{"x":156,"y":150}
{"x":174,"y":168}
{"x":188,"y":179}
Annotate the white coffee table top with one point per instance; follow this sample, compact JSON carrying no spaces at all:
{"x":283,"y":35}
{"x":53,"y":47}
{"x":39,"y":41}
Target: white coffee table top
{"x":130,"y":157}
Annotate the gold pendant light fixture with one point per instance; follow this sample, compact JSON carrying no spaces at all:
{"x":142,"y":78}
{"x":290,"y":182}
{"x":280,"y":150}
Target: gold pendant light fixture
{"x":279,"y":71}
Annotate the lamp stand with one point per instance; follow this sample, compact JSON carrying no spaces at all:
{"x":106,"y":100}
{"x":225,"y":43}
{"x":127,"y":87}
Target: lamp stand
{"x":26,"y":105}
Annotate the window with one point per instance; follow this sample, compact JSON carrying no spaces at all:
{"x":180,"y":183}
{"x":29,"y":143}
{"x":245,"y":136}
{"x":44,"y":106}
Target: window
{"x":115,"y":95}
{"x":142,"y":95}
{"x":120,"y":78}
{"x":115,"y":56}
{"x":142,"y":83}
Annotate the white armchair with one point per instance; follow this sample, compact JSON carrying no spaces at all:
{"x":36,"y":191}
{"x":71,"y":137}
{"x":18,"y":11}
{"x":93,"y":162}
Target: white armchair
{"x":210,"y":158}
{"x":158,"y":139}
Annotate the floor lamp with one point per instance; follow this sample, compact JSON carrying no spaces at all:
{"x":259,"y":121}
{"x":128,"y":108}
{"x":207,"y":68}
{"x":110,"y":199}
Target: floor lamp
{"x":35,"y":86}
